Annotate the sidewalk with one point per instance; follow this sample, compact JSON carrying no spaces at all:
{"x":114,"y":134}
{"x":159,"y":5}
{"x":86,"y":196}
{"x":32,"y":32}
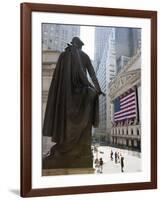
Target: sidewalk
{"x":132,"y":163}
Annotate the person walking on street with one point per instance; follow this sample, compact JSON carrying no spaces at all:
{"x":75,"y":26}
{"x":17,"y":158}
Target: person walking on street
{"x":118,"y":157}
{"x":115,"y":157}
{"x":122,"y":164}
{"x":96,"y":163}
{"x":101,"y":165}
{"x":111,"y":155}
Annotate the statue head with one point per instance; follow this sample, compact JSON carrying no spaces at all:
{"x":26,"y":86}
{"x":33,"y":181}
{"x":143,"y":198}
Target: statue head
{"x":77,"y":42}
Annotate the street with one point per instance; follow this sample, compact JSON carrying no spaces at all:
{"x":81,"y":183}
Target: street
{"x":132,"y":160}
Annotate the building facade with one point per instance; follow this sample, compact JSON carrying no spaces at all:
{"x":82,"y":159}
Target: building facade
{"x":126,"y":124}
{"x":127,"y":41}
{"x":49,"y":60}
{"x":105,"y":71}
{"x":116,"y":47}
{"x":56,"y":36}
{"x":101,"y":42}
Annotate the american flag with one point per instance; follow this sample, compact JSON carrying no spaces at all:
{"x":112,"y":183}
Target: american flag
{"x":125,"y":106}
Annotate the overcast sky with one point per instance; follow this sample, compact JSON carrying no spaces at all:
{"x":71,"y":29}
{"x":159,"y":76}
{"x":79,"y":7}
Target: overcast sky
{"x":87,"y":36}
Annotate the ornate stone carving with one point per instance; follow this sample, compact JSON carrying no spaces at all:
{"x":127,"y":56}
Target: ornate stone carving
{"x":123,"y":82}
{"x":126,"y":78}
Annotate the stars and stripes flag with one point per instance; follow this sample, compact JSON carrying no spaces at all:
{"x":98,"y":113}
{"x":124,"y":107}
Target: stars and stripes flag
{"x":125,"y":106}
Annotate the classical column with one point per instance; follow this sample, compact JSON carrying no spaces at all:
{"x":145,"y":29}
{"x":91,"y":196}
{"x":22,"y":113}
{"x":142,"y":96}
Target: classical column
{"x":112,"y":111}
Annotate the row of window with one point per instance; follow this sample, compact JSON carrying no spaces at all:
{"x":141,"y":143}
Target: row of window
{"x":125,"y":131}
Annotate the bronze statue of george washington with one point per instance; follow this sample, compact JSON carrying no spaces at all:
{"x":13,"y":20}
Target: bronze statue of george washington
{"x":72,"y":109}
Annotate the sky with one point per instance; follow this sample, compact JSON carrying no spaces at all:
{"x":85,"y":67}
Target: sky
{"x":87,"y":36}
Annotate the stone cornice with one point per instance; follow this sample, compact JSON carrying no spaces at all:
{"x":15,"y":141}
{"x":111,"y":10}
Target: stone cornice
{"x":123,"y":82}
{"x":125,"y":79}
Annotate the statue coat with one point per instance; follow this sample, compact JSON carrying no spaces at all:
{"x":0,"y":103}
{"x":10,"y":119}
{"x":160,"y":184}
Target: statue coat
{"x":72,"y":105}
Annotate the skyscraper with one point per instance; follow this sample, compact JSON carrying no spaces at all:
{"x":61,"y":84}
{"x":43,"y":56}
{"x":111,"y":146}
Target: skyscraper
{"x":113,"y":49}
{"x":128,"y":40}
{"x":56,"y":36}
{"x":105,"y":62}
{"x":101,"y":38}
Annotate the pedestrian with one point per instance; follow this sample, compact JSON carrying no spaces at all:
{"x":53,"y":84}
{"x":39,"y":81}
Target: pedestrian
{"x":101,"y":165}
{"x":118,"y":157}
{"x":111,"y":155}
{"x":96,"y":163}
{"x":115,"y":157}
{"x":95,"y":149}
{"x":122,"y":164}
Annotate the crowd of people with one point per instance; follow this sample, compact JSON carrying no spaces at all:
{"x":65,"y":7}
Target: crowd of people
{"x":99,"y":165}
{"x":116,"y":156}
{"x":118,"y":159}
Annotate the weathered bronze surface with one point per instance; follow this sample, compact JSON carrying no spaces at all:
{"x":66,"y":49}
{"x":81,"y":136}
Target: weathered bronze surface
{"x":72,"y":109}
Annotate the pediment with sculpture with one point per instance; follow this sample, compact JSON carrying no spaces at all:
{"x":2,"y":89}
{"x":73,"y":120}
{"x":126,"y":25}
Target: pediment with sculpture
{"x":123,"y":82}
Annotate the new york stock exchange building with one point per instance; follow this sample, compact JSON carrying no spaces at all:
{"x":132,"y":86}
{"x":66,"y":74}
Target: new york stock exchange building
{"x":125,"y":106}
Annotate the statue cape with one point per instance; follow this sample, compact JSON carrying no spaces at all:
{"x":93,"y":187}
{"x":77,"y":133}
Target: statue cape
{"x":72,"y":103}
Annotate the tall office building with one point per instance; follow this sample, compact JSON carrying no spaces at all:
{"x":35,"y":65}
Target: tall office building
{"x":101,"y":38}
{"x":112,"y":52}
{"x":105,"y":70}
{"x":55,"y":36}
{"x":127,"y":40}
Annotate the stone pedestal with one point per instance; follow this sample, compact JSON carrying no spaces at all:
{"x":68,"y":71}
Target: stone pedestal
{"x":67,"y":171}
{"x":66,"y":162}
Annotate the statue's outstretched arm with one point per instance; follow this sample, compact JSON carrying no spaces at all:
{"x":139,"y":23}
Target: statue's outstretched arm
{"x":93,"y":77}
